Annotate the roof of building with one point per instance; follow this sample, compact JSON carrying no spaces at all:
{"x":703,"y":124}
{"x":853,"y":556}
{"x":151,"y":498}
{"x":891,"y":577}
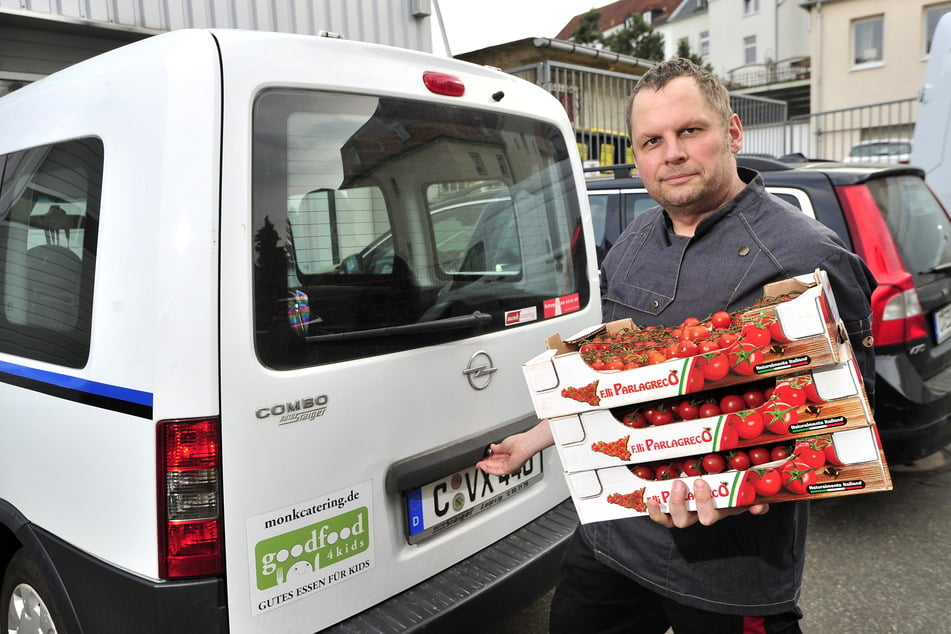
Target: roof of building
{"x":615,"y":14}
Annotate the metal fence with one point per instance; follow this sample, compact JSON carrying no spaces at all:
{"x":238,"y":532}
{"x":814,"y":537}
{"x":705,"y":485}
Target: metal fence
{"x":595,"y":101}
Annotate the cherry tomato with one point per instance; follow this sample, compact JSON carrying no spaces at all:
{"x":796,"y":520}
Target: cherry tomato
{"x":655,"y":356}
{"x":797,"y":476}
{"x":707,"y":346}
{"x":692,"y":466}
{"x":687,"y":410}
{"x":765,"y":482}
{"x":699,"y":332}
{"x":732,"y":403}
{"x":644,"y":472}
{"x":812,"y":394}
{"x":721,"y":319}
{"x":713,"y":463}
{"x":758,"y":455}
{"x":708,"y":410}
{"x":778,"y":416}
{"x":748,"y":424}
{"x":790,"y":393}
{"x":776,"y":332}
{"x":664,"y":472}
{"x":713,"y":366}
{"x":662,"y":415}
{"x":635,"y":419}
{"x":695,"y":381}
{"x":806,"y":452}
{"x":744,"y":357}
{"x":727,"y":340}
{"x":827,"y":446}
{"x":746,"y":494}
{"x":739,"y":460}
{"x":779,"y":452}
{"x":756,"y":334}
{"x":729,"y":439}
{"x":753,"y":397}
{"x":687,"y":348}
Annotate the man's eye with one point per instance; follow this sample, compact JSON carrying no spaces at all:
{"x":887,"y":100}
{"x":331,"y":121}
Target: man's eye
{"x":690,"y":130}
{"x":653,"y":141}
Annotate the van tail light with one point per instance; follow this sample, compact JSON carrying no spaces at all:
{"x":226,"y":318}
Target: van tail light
{"x":191,"y":542}
{"x":443,"y":84}
{"x":897,"y":317}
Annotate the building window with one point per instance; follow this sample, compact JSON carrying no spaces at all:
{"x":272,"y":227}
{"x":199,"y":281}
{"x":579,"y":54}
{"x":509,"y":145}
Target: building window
{"x":750,"y":7}
{"x":932,"y":15}
{"x":749,"y":49}
{"x":867,"y":38}
{"x":704,"y":44}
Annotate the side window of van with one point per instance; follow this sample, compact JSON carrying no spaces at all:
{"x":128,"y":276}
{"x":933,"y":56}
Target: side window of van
{"x":384,"y":224}
{"x":49,"y":211}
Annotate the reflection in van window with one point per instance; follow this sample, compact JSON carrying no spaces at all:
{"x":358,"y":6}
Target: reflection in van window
{"x":49,"y":211}
{"x":383,"y":224}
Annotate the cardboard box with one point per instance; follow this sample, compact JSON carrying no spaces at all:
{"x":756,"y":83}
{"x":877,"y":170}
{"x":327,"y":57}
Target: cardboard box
{"x":616,"y":493}
{"x":561,"y":383}
{"x":597,"y":439}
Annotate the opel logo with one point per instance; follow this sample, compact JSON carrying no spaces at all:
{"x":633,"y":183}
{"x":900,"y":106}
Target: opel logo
{"x":480,"y":370}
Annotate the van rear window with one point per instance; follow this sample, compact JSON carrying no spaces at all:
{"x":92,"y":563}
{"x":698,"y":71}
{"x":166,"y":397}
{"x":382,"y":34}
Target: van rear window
{"x":383,"y":225}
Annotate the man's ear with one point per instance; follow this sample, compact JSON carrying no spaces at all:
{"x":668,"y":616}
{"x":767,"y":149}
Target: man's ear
{"x":735,"y":131}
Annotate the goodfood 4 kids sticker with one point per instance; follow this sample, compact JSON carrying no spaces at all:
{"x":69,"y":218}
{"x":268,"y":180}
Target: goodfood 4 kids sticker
{"x":308,"y":547}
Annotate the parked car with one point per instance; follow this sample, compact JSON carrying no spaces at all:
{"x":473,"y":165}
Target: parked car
{"x":893,"y":221}
{"x":880,"y":151}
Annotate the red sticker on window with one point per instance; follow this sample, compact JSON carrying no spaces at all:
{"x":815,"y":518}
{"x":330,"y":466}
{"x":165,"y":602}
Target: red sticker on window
{"x":562,"y":305}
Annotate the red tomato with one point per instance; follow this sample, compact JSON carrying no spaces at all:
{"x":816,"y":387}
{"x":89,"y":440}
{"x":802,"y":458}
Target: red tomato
{"x":689,"y":322}
{"x":758,"y":455}
{"x":664,"y":472}
{"x":779,"y":452}
{"x":635,"y":419}
{"x":806,"y":452}
{"x":797,"y":476}
{"x":778,"y":416}
{"x":692,"y":466}
{"x":746,"y":494}
{"x":753,"y":397}
{"x":739,"y":460}
{"x":644,"y":472}
{"x":828,"y":448}
{"x":662,"y":415}
{"x":687,"y":348}
{"x":744,"y":357}
{"x":708,"y":410}
{"x":776,"y":332}
{"x":729,"y":439}
{"x":756,"y":334}
{"x":765,"y":482}
{"x":812,"y":394}
{"x":614,"y":364}
{"x":721,"y":319}
{"x":713,"y":366}
{"x":695,"y":380}
{"x":727,"y":340}
{"x":687,"y":410}
{"x":713,"y":463}
{"x":790,"y":393}
{"x":698,"y":332}
{"x":707,"y":345}
{"x":655,"y":356}
{"x":732,"y":403}
{"x":748,"y":424}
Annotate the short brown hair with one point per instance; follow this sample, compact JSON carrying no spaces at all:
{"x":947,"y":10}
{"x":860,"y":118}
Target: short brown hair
{"x":659,"y":75}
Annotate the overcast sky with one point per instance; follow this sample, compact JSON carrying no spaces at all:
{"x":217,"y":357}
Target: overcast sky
{"x":475,"y":24}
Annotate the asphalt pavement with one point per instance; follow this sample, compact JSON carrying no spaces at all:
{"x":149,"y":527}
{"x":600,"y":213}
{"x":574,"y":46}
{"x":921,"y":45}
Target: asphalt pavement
{"x":878,"y":563}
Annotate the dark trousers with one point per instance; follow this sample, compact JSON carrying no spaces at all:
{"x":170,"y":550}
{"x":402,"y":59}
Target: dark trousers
{"x":592,"y":598}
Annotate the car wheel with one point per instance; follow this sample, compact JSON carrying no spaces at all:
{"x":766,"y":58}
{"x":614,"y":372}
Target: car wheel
{"x":26,"y":602}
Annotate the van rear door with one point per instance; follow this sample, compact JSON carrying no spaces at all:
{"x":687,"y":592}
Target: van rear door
{"x":399,"y":233}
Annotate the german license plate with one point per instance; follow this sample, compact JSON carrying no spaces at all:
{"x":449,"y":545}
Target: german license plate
{"x":942,"y":323}
{"x":434,"y":507}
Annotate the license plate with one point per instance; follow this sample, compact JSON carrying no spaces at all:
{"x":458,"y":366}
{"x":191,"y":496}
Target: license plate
{"x":942,"y":324}
{"x":434,"y":507}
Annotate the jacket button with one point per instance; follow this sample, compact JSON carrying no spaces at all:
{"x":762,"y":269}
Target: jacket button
{"x":655,"y":304}
{"x":744,"y":250}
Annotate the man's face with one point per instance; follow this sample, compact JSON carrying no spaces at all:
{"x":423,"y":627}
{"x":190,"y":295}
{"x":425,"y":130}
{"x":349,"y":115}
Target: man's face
{"x":684,"y":154}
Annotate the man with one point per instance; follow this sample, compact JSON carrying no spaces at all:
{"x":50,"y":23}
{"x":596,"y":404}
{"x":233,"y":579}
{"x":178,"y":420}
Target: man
{"x":715,"y":240}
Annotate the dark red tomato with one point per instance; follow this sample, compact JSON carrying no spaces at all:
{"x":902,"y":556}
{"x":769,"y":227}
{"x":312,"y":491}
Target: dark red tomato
{"x":732,"y":403}
{"x":753,"y":397}
{"x":828,"y":448}
{"x":755,"y":333}
{"x":744,"y":357}
{"x":778,"y":416}
{"x":708,"y":410}
{"x":664,"y":472}
{"x":739,"y":460}
{"x":806,"y":452}
{"x":758,"y":455}
{"x":713,"y":463}
{"x":779,"y":452}
{"x":812,"y":394}
{"x":721,"y":320}
{"x":692,"y":466}
{"x":765,"y":482}
{"x":635,"y":419}
{"x":797,"y":476}
{"x":727,"y":340}
{"x":644,"y":472}
{"x":748,"y":424}
{"x":687,"y":348}
{"x":662,"y":415}
{"x":713,"y":366}
{"x":687,"y":410}
{"x":746,"y":494}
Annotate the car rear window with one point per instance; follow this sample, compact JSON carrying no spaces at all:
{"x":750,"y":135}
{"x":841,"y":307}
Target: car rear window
{"x":919,"y":225}
{"x":383,"y":224}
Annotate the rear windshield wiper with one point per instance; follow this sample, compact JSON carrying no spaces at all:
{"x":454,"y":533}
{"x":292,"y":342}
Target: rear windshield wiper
{"x":474,"y":320}
{"x":944,"y":267}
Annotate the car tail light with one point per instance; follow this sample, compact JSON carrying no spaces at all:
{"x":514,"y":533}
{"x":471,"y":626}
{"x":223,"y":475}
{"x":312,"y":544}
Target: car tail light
{"x":191,"y":542}
{"x":896,"y":311}
{"x":443,"y":84}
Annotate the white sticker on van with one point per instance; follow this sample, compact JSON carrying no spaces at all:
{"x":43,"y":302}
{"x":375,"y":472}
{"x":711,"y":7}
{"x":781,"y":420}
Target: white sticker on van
{"x":308,"y":547}
{"x":521,"y":316}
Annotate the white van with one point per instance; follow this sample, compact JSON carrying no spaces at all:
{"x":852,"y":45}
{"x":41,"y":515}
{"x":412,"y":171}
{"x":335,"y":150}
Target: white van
{"x":265,"y":302}
{"x":931,"y":144}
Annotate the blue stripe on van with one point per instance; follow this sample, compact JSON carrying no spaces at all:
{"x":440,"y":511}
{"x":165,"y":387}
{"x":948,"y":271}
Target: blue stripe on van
{"x":103,"y":395}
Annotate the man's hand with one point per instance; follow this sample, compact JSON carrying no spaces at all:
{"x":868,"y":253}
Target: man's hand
{"x":706,"y":512}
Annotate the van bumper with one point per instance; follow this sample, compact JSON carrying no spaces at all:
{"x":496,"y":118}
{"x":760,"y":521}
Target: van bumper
{"x":106,"y":599}
{"x":493,"y":583}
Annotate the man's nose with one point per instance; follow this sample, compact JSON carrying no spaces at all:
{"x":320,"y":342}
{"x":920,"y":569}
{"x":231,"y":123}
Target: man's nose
{"x":674,"y":150}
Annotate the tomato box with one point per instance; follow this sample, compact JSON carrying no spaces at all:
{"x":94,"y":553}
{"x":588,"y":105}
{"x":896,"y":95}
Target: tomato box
{"x":830,"y":398}
{"x":804,"y":332}
{"x":859,"y":467}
